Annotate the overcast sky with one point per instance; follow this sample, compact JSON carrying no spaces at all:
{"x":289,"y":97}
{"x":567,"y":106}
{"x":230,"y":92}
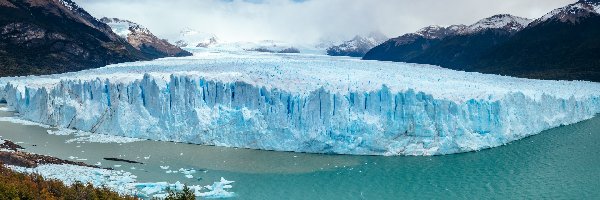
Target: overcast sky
{"x":301,"y":21}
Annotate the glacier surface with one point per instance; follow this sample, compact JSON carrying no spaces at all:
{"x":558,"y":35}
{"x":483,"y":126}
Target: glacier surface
{"x":303,"y":103}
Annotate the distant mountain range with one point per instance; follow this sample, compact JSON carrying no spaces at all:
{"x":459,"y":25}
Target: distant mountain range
{"x":55,"y":36}
{"x":563,"y":44}
{"x":142,"y":39}
{"x":191,"y":38}
{"x":358,"y":46}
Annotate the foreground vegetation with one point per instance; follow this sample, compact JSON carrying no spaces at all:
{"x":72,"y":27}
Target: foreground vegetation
{"x":14,"y":185}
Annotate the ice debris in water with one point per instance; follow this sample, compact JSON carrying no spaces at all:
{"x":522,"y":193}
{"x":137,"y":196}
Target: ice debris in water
{"x":187,"y":171}
{"x":119,"y":181}
{"x":122,"y":182}
{"x":6,"y":109}
{"x":159,"y":189}
{"x":17,"y":120}
{"x":217,"y":190}
{"x":82,"y":137}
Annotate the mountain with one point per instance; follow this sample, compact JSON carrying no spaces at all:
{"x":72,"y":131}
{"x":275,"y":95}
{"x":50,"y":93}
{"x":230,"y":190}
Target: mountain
{"x":191,"y":38}
{"x":142,"y":39}
{"x":268,"y":46}
{"x":55,"y":36}
{"x":564,"y":44}
{"x":459,"y":50}
{"x":452,"y":47}
{"x":358,"y":46}
{"x":408,"y":46}
{"x":502,"y":22}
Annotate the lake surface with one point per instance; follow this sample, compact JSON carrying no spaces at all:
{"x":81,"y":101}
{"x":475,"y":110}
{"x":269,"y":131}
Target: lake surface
{"x":561,"y":163}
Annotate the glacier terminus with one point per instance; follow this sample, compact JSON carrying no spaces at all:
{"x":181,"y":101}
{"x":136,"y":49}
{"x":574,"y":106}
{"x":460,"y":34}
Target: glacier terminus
{"x":302,"y":103}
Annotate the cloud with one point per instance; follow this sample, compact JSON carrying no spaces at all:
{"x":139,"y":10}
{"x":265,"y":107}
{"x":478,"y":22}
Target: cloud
{"x":305,"y":21}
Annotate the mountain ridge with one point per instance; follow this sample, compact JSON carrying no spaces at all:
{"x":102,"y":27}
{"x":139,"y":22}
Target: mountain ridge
{"x":357,"y":46}
{"x":45,"y":37}
{"x":562,"y":45}
{"x":142,"y":39}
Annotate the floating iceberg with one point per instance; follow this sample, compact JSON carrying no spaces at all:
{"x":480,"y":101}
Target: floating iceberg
{"x":217,"y":190}
{"x":303,"y":103}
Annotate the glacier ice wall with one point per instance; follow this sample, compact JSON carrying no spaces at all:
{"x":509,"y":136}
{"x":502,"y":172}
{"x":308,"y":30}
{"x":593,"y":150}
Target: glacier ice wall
{"x":193,"y":109}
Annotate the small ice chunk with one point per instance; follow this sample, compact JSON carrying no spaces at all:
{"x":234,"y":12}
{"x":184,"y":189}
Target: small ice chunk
{"x":217,"y":190}
{"x":189,"y":176}
{"x":164,"y":167}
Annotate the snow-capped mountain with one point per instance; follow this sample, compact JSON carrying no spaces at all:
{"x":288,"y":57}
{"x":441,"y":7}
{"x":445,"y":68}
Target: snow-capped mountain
{"x":435,"y":31}
{"x":358,"y":46}
{"x":505,"y":22}
{"x":548,"y":48}
{"x":266,"y":46}
{"x":573,"y":12}
{"x":437,"y":44}
{"x":452,"y":46}
{"x":325,"y":43}
{"x":124,"y":28}
{"x":191,"y":38}
{"x":142,"y":39}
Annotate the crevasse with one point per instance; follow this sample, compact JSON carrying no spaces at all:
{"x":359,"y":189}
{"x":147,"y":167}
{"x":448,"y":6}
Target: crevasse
{"x":194,"y":109}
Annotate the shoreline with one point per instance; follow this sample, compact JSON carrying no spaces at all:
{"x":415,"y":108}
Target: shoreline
{"x":10,"y":154}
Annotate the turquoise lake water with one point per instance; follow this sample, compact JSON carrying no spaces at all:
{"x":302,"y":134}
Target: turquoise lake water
{"x":561,"y":163}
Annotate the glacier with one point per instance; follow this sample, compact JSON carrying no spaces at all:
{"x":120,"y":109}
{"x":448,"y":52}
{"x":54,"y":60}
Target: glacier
{"x":302,"y":103}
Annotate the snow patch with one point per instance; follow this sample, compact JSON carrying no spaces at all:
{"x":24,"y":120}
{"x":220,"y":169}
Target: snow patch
{"x":506,"y":22}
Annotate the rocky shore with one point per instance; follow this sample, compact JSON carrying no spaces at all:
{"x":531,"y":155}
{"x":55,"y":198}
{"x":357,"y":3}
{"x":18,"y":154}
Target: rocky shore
{"x":11,"y":154}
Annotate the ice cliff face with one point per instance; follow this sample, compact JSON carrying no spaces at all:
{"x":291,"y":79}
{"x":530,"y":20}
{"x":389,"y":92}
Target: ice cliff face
{"x":303,"y":103}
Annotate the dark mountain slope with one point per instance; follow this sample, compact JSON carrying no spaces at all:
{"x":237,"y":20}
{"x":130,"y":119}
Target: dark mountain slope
{"x":409,"y":46}
{"x":451,"y":47}
{"x":563,"y":44}
{"x":457,"y":52}
{"x":401,"y":49}
{"x":549,"y":50}
{"x":55,"y":36}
